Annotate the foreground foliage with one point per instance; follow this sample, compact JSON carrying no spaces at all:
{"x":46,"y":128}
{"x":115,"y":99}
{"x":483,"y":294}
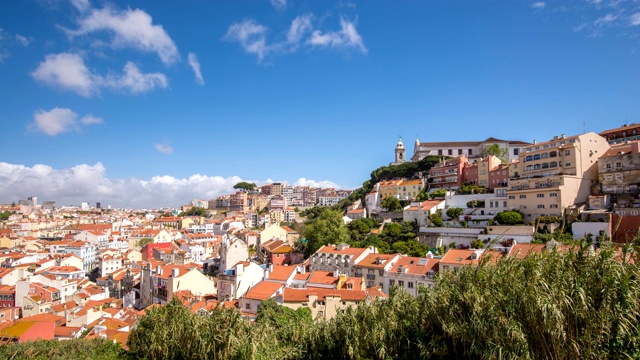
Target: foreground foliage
{"x":571,"y":305}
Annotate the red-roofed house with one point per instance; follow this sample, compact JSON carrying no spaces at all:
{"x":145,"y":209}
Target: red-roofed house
{"x":264,"y":290}
{"x":326,"y":303}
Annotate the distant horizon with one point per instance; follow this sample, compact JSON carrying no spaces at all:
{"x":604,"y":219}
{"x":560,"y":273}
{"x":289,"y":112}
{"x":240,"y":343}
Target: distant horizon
{"x":140,"y":105}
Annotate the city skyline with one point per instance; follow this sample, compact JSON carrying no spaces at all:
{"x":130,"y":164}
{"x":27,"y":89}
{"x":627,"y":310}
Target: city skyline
{"x":145,"y":105}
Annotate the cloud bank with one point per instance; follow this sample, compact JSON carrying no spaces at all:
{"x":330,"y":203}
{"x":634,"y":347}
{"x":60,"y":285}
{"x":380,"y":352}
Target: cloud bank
{"x":89,"y":183}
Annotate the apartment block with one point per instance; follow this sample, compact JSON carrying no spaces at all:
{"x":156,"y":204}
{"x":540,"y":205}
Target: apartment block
{"x":556,"y":174}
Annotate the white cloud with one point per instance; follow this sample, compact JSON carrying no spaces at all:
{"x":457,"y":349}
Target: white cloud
{"x":89,"y":183}
{"x":60,"y":120}
{"x":605,"y":20}
{"x":135,"y":81}
{"x":278,"y":4}
{"x":68,"y":71}
{"x":22,"y":40}
{"x":538,"y":5}
{"x":316,"y":184}
{"x":300,"y":26}
{"x":130,"y":29}
{"x":346,"y":37}
{"x":81,"y":5}
{"x":195,"y":66}
{"x":164,"y":148}
{"x":634,"y":20}
{"x":90,"y":120}
{"x":251,"y":36}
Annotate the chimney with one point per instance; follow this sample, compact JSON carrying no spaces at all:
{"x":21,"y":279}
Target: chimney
{"x":175,"y":272}
{"x":564,"y":136}
{"x":555,"y":137}
{"x":270,"y":268}
{"x":534,"y":141}
{"x":336,"y":273}
{"x":635,"y":147}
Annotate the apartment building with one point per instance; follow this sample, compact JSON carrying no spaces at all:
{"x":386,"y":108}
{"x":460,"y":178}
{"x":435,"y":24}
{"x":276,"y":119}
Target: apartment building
{"x":622,"y":134}
{"x":447,"y":174}
{"x":389,"y":188}
{"x":619,"y":169}
{"x":556,"y":174}
{"x":373,"y":267}
{"x":340,"y":257}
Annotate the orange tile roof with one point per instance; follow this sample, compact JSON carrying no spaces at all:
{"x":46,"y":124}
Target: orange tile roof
{"x":371,"y":260}
{"x":281,"y":272}
{"x":459,"y":257}
{"x":415,"y":265}
{"x":264,"y":290}
{"x":302,"y":295}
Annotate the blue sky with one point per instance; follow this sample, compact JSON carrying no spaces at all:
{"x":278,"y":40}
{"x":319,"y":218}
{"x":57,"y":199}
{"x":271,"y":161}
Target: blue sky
{"x":150,"y":103}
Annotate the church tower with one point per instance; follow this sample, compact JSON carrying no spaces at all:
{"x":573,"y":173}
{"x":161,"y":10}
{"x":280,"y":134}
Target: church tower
{"x":400,"y":152}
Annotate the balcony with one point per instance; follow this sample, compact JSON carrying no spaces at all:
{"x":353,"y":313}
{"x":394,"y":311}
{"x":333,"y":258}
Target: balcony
{"x":371,"y":276}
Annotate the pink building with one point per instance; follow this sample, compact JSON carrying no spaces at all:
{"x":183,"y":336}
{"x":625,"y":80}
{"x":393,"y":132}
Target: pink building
{"x":447,"y":174}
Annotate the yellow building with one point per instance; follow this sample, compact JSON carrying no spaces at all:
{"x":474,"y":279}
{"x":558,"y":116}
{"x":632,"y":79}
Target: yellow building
{"x":555,"y":174}
{"x":390,"y":188}
{"x":409,"y":189}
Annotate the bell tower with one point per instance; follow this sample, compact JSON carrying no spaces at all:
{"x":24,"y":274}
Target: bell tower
{"x":400,"y":152}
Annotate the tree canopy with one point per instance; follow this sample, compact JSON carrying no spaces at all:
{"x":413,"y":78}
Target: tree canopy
{"x":498,"y":151}
{"x":246,"y":186}
{"x":328,"y":228}
{"x":509,"y":217}
{"x":194,"y":211}
{"x":391,"y":203}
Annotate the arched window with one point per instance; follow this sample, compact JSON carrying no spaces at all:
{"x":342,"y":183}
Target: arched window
{"x":545,"y":166}
{"x":553,"y":154}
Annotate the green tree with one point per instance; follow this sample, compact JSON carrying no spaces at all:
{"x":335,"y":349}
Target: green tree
{"x":436,"y":220}
{"x":327,"y":229}
{"x":391,"y":203}
{"x":144,"y":241}
{"x":477,"y":244}
{"x":195,"y":211}
{"x":509,"y":217}
{"x":498,"y":151}
{"x":454,"y":213}
{"x":440,"y":193}
{"x":245,"y":186}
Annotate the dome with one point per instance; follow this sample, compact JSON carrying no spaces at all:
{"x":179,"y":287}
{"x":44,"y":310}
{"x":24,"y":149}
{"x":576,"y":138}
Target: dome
{"x":400,"y":144}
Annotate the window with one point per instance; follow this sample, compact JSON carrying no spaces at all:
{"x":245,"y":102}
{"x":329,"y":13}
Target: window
{"x":540,"y":195}
{"x":545,"y":166}
{"x":504,"y":204}
{"x":450,"y":152}
{"x":523,"y":196}
{"x":528,"y":158}
{"x":544,"y":156}
{"x":439,"y":152}
{"x":247,"y":306}
{"x":410,"y":284}
{"x":619,"y":177}
{"x":540,"y":206}
{"x":459,"y":151}
{"x":380,"y":272}
{"x":553,"y":206}
{"x":536,"y":157}
{"x":536,"y":167}
{"x":567,"y":152}
{"x":401,"y":283}
{"x":553,"y":164}
{"x":392,"y":282}
{"x":553,"y":194}
{"x":470,"y":151}
{"x":553,"y":154}
{"x":618,"y":165}
{"x":512,"y":197}
{"x":567,"y":164}
{"x":516,"y":151}
{"x":609,"y":177}
{"x":608,"y":166}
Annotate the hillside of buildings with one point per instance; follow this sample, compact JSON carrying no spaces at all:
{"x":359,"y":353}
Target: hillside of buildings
{"x":543,"y":305}
{"x":449,"y":229}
